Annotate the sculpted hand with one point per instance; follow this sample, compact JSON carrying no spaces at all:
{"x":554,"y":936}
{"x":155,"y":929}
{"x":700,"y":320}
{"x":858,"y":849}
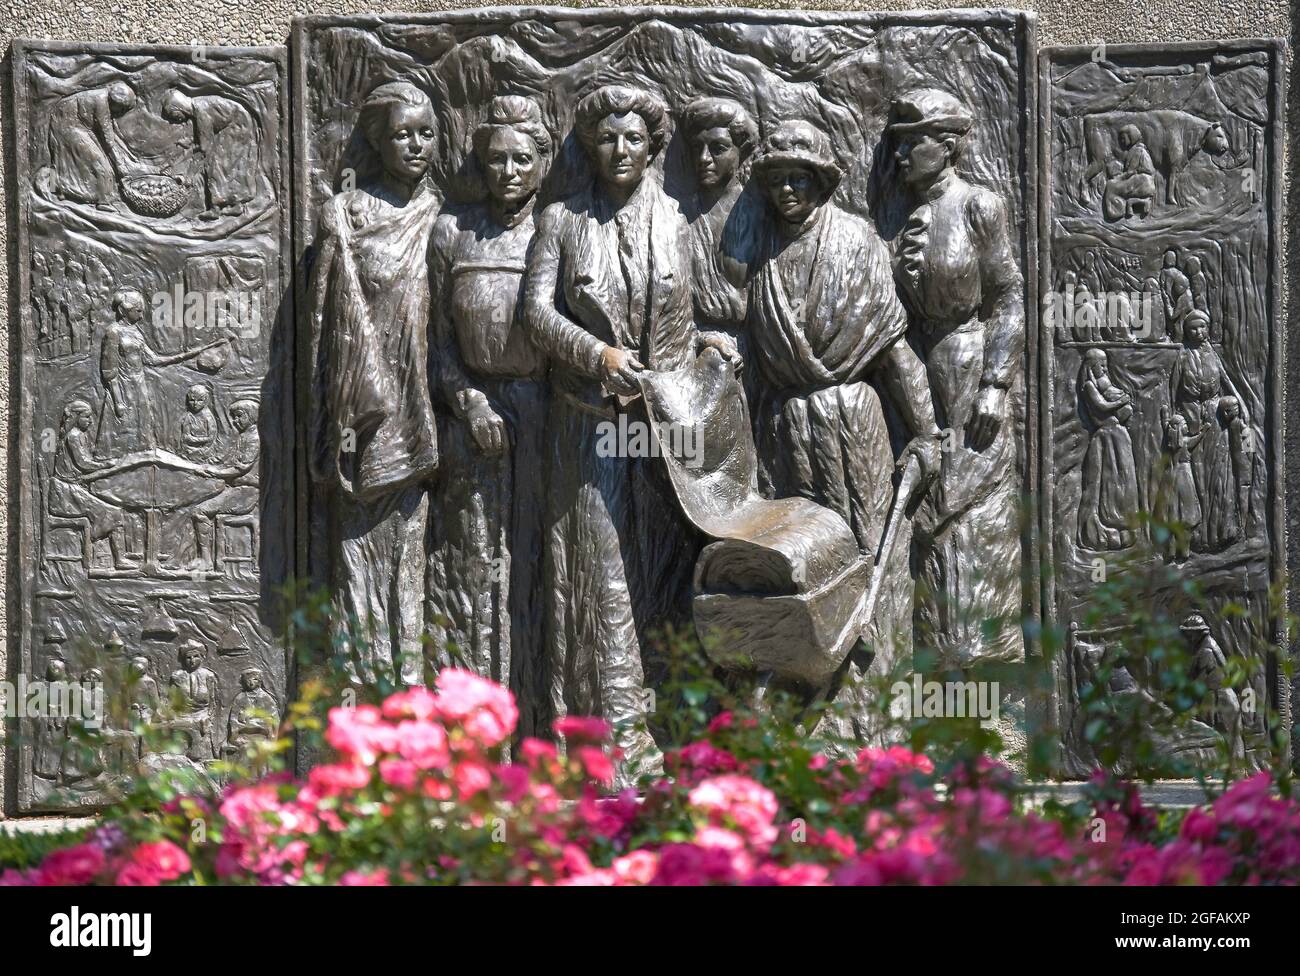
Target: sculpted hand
{"x":925,"y":448}
{"x":725,"y":345}
{"x":487,"y":428}
{"x":620,"y":368}
{"x":987,"y":418}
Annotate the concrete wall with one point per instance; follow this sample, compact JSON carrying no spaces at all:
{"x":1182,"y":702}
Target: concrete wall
{"x":267,"y":22}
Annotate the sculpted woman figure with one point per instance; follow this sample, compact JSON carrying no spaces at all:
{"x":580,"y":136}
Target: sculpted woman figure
{"x":608,"y":294}
{"x":827,"y":332}
{"x":372,"y":441}
{"x":958,"y":276}
{"x":722,"y":137}
{"x":485,"y":597}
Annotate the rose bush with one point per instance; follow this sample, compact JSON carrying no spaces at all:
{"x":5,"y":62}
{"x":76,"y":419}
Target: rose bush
{"x":419,"y":791}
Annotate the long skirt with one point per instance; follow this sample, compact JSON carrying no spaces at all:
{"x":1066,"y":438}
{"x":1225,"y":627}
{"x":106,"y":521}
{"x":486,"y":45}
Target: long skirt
{"x":967,"y":533}
{"x":833,"y":447}
{"x":82,"y":169}
{"x":617,"y":569}
{"x":1109,"y":490}
{"x":485,"y":546}
{"x":379,"y":567}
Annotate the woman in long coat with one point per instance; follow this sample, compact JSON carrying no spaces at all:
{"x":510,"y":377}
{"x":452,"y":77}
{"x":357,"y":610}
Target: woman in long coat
{"x":486,"y":534}
{"x":608,"y":294}
{"x":372,"y":440}
{"x":959,"y":279}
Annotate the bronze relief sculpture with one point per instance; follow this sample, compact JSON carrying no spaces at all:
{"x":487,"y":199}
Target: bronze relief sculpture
{"x":616,"y":321}
{"x":1179,"y":386}
{"x":157,"y":411}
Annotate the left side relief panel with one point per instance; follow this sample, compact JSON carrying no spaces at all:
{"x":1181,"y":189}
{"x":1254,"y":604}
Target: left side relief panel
{"x":154,"y":420}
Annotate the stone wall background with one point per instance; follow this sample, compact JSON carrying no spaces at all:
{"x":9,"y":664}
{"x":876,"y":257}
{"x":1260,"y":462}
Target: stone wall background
{"x":267,"y":22}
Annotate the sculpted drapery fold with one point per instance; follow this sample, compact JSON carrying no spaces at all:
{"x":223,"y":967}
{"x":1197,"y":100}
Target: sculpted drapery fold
{"x":372,"y":438}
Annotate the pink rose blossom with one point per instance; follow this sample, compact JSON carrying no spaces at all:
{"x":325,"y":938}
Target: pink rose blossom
{"x":637,"y":868}
{"x":133,"y":875}
{"x":163,"y":858}
{"x":399,"y":773}
{"x":748,"y":805}
{"x":378,"y":878}
{"x":484,"y":709}
{"x":424,"y":744}
{"x":77,"y":865}
{"x":414,"y":703}
{"x":575,"y":729}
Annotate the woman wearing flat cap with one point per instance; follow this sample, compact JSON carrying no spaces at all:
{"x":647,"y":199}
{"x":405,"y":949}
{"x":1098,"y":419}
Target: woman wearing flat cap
{"x":827,"y":333}
{"x":957,"y":273}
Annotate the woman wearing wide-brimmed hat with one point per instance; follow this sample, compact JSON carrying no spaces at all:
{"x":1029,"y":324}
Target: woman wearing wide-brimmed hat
{"x":826,"y":331}
{"x":959,"y":278}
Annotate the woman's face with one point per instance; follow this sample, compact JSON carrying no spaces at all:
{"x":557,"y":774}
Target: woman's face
{"x":921,"y":157}
{"x":406,"y":147}
{"x":716,"y":157}
{"x":622,"y":149}
{"x":1196,"y":331}
{"x":794,"y":192}
{"x":510,"y":161}
{"x":131,"y":310}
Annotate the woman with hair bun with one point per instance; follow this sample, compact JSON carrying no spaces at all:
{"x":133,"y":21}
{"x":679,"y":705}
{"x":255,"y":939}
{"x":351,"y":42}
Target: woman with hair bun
{"x":486,"y":605}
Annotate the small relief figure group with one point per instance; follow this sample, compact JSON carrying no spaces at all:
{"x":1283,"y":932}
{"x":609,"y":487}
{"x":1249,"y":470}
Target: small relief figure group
{"x":78,"y":746}
{"x":1183,"y":289}
{"x":88,"y":159}
{"x":1214,"y":451}
{"x":130,"y":418}
{"x":70,"y":301}
{"x":1167,"y":160}
{"x":469,"y":500}
{"x":132,"y":427}
{"x":1209,"y":476}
